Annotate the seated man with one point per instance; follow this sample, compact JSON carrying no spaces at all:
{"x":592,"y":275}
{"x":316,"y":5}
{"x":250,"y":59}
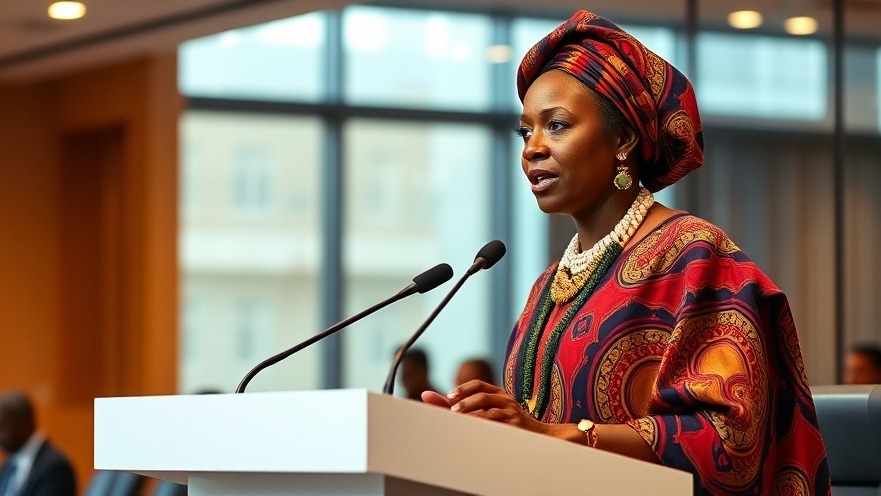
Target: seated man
{"x":33,"y":467}
{"x":475,"y":368}
{"x":862,"y":365}
{"x":415,"y":374}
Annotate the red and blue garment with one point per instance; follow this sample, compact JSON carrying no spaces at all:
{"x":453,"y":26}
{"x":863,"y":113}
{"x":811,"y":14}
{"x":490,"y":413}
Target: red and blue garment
{"x":688,"y":342}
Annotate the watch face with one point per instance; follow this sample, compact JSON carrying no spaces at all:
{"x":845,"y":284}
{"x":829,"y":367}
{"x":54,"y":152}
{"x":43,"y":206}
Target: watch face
{"x":585,"y":425}
{"x":588,"y":428}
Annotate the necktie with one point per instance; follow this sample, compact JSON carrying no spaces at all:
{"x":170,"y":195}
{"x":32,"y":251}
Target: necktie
{"x":7,"y":475}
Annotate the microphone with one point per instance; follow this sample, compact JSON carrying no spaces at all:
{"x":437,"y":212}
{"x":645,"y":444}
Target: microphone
{"x":422,"y":283}
{"x":486,"y":257}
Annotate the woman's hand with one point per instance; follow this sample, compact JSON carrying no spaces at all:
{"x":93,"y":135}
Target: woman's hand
{"x":484,"y":400}
{"x":487,"y":401}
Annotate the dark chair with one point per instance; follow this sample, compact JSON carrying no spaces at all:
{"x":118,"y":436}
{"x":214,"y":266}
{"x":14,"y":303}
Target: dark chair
{"x":850,"y":420}
{"x":168,"y":488}
{"x":115,"y":483}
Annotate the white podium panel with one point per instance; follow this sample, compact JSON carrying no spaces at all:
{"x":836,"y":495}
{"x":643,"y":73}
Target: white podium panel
{"x":352,"y":442}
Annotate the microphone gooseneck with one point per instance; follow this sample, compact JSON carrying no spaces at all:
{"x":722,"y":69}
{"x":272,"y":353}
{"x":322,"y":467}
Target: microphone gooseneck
{"x":422,"y":283}
{"x":486,"y":257}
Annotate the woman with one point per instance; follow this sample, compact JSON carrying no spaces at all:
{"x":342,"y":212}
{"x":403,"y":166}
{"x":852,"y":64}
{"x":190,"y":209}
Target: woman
{"x":654,"y":336}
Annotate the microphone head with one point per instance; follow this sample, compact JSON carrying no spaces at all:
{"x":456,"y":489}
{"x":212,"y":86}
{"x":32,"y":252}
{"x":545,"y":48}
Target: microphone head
{"x":433,"y":277}
{"x":491,"y":253}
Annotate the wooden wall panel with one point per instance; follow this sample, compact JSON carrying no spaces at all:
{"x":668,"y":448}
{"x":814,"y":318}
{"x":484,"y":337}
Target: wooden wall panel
{"x":93,"y":333}
{"x":88,"y":171}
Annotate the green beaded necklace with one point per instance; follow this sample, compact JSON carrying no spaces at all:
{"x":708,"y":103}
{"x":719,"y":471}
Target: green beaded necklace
{"x":536,"y":326}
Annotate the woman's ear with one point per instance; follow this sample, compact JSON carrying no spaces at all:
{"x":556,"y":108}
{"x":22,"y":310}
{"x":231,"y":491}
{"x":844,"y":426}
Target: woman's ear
{"x":627,"y":140}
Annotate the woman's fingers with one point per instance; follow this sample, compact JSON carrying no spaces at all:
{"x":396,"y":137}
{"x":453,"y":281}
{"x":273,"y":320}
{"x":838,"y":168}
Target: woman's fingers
{"x":435,"y":398}
{"x":510,"y":416}
{"x":471,"y":388}
{"x":485,"y":401}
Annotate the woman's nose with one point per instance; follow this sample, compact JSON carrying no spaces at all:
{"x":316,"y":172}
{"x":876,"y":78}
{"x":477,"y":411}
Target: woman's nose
{"x":534,"y":148}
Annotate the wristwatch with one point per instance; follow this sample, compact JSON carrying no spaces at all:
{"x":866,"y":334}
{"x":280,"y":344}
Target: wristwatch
{"x":590,"y":431}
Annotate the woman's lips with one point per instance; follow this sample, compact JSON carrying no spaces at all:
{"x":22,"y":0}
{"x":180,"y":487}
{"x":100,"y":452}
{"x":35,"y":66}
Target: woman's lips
{"x":544,"y":184}
{"x":541,"y":180}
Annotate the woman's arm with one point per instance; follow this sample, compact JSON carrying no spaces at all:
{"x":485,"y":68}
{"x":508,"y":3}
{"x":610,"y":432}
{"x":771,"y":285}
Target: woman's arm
{"x":616,"y":438}
{"x":490,"y":402}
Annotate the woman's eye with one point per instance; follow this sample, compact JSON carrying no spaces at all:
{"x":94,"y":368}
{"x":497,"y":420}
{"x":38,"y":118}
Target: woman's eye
{"x":556,"y":126}
{"x":523,"y":132}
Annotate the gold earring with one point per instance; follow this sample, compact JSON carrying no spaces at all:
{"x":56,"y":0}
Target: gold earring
{"x":622,"y":179}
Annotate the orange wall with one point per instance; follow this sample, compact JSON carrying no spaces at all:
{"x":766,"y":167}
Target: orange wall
{"x":80,"y":322}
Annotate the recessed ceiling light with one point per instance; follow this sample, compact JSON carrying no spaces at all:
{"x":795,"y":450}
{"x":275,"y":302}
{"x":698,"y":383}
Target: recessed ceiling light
{"x":745,"y":19}
{"x":800,"y":25}
{"x":67,"y":10}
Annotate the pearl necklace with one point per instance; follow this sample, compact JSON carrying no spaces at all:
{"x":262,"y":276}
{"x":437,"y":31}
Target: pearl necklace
{"x":576,"y":267}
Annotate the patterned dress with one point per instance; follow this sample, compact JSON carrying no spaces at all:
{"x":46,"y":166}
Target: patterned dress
{"x":689,"y":343}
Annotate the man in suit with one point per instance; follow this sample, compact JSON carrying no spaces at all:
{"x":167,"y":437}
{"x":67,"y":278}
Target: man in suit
{"x":33,"y":467}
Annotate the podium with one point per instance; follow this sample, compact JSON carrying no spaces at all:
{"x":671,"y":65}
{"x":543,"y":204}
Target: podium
{"x":352,"y":442}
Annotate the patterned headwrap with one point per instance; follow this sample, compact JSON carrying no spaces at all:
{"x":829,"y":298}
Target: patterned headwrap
{"x":655,"y":98}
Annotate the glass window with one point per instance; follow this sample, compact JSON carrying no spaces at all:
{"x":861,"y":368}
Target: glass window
{"x":761,"y":76}
{"x":280,"y":60}
{"x":530,"y":235}
{"x":862,"y":88}
{"x":877,"y":92}
{"x":424,"y":59}
{"x":188,"y":346}
{"x":660,"y":40}
{"x":417,"y":194}
{"x":254,"y":278}
{"x":526,"y":32}
{"x":189,"y":188}
{"x":254,"y":328}
{"x":667,"y":196}
{"x":252,"y":178}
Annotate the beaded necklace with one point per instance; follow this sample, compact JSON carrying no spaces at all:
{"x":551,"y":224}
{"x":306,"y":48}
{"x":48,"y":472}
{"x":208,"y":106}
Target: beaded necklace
{"x":576,"y":266}
{"x":577,"y":275}
{"x":539,"y":321}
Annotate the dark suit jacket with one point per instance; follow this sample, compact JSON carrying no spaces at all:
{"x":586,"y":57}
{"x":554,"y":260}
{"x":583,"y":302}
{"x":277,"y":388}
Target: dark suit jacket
{"x":51,"y":474}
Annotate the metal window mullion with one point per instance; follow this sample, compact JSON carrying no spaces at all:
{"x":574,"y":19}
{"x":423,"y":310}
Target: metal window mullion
{"x":330,"y":281}
{"x":501,"y":198}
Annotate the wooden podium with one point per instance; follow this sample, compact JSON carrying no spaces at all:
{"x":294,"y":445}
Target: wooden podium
{"x":352,"y":442}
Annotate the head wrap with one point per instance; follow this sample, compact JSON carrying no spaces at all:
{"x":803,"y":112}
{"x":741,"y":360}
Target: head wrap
{"x":655,"y":98}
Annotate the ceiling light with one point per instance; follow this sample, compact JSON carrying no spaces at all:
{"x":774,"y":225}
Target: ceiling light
{"x":67,"y":10}
{"x":745,"y":19}
{"x":800,"y":25}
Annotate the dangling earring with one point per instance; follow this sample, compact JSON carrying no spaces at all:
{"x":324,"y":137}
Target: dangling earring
{"x":622,"y":179}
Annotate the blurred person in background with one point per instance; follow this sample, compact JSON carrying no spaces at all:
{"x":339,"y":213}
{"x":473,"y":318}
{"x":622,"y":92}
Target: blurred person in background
{"x":475,"y":368}
{"x":862,"y":365}
{"x":415,"y":374}
{"x":33,"y":466}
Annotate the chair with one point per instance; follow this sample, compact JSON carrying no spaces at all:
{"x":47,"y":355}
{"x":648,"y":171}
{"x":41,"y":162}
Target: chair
{"x":115,"y":483}
{"x":850,"y":421}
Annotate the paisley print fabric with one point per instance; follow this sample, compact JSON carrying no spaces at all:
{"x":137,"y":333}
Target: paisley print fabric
{"x":689,"y":343}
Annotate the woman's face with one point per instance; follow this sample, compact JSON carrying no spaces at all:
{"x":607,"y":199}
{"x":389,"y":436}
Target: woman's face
{"x":568,"y":155}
